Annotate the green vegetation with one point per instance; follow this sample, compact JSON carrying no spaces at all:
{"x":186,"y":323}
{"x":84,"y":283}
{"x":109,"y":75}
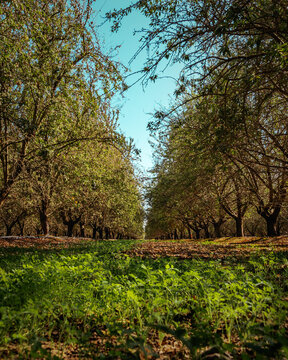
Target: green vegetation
{"x":221,"y":148}
{"x":97,"y":301}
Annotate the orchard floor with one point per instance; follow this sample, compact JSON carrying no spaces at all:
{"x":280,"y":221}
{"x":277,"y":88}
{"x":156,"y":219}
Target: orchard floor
{"x":211,"y":248}
{"x":40,"y":242}
{"x":73,"y":298}
{"x":185,"y":249}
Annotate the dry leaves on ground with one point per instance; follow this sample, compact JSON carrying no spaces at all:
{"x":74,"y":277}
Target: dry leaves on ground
{"x":213,"y":249}
{"x":40,"y":242}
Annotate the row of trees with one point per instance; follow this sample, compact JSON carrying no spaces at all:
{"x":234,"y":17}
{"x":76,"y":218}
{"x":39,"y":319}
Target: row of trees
{"x":63,"y":160}
{"x":87,"y":191}
{"x":222,"y":148}
{"x":210,"y":192}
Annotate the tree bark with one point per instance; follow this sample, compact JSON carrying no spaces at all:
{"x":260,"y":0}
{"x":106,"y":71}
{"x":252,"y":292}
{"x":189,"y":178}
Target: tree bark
{"x":9,"y":226}
{"x":8,"y":229}
{"x":271,"y":219}
{"x":217,"y":229}
{"x":239,"y":212}
{"x":271,"y":226}
{"x":175,"y":235}
{"x":44,"y":221}
{"x":21,"y":227}
{"x":197,"y":233}
{"x":100,"y":231}
{"x":107,"y":233}
{"x":82,"y":229}
{"x":206,"y":231}
{"x":70,"y":225}
{"x":70,"y":222}
{"x":94,"y":233}
{"x":239,"y":226}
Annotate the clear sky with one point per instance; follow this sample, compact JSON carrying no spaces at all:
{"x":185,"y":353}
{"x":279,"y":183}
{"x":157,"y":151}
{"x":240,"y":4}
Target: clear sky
{"x":139,"y":103}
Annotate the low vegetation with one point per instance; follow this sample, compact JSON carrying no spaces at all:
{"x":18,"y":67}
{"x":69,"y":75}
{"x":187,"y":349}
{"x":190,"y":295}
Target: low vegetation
{"x":93,"y":300}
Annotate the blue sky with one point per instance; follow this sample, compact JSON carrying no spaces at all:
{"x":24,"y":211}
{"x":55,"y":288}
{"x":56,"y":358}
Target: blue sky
{"x":139,"y":103}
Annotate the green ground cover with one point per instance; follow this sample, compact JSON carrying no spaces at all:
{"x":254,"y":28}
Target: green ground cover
{"x":100,"y":303}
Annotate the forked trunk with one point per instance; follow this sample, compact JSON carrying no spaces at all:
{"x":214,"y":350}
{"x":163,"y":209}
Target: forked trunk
{"x":271,"y":219}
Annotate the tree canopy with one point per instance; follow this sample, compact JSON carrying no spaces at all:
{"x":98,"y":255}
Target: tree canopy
{"x":58,"y":129}
{"x":222,"y":145}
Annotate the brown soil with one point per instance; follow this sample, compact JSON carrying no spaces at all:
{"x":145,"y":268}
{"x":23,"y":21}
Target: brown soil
{"x":40,"y":242}
{"x":210,"y":249}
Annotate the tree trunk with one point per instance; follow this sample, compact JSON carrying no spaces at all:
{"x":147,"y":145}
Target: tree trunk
{"x":100,"y":231}
{"x":278,"y":227}
{"x":21,"y":227}
{"x":271,"y":219}
{"x":107,"y":233}
{"x":271,"y":225}
{"x":175,"y":234}
{"x":241,"y":208}
{"x":70,"y":222}
{"x":70,"y":225}
{"x":197,"y":233}
{"x":82,"y":229}
{"x":9,"y":227}
{"x":206,"y":231}
{"x":239,"y":226}
{"x":217,"y":229}
{"x":44,"y":217}
{"x":94,"y":228}
{"x":8,"y":230}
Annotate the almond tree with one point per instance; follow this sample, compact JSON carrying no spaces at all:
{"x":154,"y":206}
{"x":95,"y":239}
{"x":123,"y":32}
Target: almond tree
{"x":50,"y":59}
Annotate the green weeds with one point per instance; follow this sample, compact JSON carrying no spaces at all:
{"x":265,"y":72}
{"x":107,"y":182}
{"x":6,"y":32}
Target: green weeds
{"x":106,"y":304}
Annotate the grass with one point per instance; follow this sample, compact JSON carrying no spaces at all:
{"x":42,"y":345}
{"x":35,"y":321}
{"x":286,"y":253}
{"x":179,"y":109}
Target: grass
{"x":94,"y":301}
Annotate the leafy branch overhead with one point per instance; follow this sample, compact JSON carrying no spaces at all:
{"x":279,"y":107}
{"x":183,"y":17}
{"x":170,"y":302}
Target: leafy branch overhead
{"x":215,"y":38}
